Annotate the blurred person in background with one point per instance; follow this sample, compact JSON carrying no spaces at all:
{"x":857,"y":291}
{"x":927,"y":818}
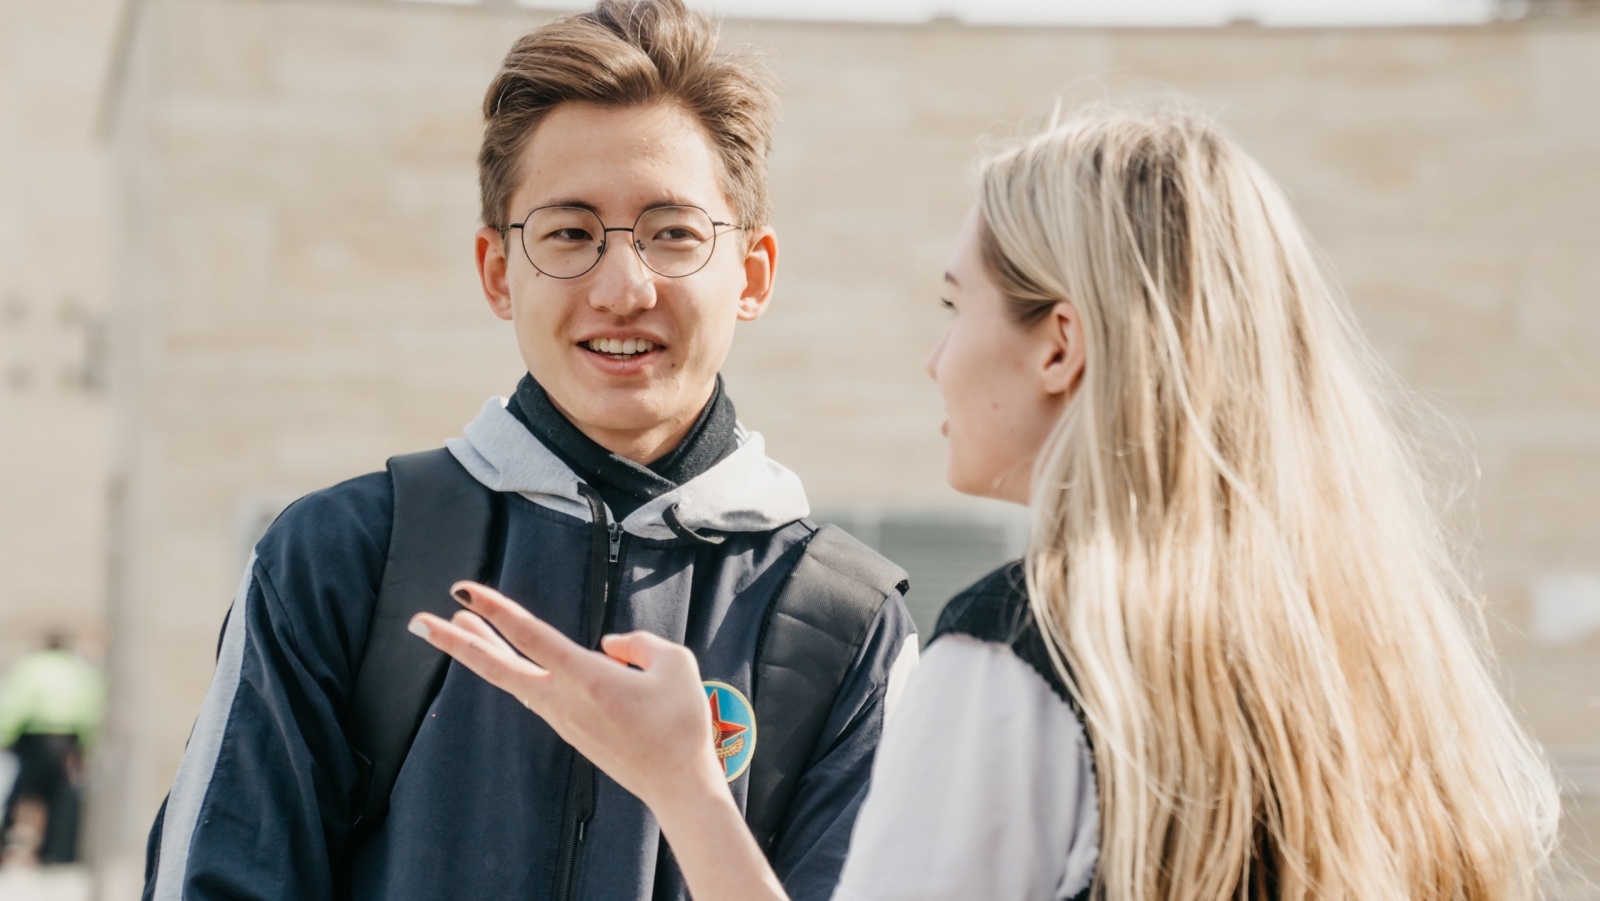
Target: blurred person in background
{"x":625,"y":237}
{"x":1241,"y":658}
{"x":50,"y":707}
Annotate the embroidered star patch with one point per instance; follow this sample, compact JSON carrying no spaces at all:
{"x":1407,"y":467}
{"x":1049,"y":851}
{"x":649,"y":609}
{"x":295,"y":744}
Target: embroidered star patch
{"x":733,"y":722}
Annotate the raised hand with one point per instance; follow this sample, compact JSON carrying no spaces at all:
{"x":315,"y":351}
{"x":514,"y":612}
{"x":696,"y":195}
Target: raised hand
{"x":637,"y":711}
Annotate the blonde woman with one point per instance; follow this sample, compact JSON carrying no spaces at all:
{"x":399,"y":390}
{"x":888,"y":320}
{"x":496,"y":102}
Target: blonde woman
{"x":1239,"y":659}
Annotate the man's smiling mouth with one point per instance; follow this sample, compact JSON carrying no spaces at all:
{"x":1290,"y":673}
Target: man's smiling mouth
{"x":620,"y":348}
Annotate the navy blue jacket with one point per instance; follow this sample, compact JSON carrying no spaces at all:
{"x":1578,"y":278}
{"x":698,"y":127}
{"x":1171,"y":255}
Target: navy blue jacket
{"x":262,"y":803}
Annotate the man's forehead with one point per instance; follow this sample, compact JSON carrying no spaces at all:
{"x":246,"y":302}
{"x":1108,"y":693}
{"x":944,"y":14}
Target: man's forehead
{"x":607,"y":158}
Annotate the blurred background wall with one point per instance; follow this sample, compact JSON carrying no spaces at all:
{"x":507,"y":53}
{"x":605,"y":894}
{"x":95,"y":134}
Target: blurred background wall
{"x":235,"y":266}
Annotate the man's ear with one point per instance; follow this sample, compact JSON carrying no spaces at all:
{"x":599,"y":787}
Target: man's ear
{"x":1062,"y":333}
{"x":490,"y":247}
{"x":760,"y":270}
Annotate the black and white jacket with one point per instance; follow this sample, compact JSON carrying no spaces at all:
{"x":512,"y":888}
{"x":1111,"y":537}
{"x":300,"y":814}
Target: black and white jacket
{"x":261,"y":806}
{"x":984,"y":785}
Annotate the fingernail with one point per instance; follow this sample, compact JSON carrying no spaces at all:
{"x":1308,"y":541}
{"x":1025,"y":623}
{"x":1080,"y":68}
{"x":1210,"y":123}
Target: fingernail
{"x":419,"y":628}
{"x":463,"y":595}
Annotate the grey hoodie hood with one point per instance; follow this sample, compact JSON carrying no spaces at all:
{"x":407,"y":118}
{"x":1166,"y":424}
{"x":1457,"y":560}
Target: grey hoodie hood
{"x":744,"y":492}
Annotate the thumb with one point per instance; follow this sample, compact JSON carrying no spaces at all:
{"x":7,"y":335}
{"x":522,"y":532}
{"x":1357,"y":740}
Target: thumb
{"x":637,"y":649}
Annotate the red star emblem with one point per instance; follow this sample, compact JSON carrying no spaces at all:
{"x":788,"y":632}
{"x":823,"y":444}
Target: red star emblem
{"x":725,"y":731}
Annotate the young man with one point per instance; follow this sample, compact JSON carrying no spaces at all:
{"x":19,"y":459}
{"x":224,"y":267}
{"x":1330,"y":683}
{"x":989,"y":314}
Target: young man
{"x":625,"y":236}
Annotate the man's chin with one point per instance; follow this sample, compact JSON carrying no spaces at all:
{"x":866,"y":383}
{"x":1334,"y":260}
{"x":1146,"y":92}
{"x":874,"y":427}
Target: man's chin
{"x":624,"y":417}
{"x":624,"y":413}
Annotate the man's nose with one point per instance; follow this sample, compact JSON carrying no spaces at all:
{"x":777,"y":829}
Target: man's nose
{"x":622,"y":284}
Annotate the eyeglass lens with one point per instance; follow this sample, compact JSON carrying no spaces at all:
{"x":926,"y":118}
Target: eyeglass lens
{"x":566,"y":242}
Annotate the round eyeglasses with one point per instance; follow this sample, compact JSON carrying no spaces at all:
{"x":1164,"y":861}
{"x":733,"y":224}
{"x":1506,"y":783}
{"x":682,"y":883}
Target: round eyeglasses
{"x":568,"y":241}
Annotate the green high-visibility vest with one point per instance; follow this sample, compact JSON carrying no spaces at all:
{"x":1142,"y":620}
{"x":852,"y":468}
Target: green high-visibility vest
{"x":51,"y":692}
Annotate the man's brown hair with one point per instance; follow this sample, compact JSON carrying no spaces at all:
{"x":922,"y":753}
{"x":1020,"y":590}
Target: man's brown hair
{"x":623,"y":54}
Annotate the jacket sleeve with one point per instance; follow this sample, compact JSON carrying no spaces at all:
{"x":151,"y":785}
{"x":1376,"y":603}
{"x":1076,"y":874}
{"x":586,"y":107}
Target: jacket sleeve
{"x":260,"y":806}
{"x":813,"y":837}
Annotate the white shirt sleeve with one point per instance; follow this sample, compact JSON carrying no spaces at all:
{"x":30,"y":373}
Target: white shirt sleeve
{"x":983,"y":787}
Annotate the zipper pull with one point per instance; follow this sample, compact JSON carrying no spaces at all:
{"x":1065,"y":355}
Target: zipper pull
{"x":616,"y":540}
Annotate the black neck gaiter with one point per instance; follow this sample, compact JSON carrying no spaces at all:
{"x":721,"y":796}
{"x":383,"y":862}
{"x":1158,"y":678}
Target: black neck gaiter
{"x":623,"y":484}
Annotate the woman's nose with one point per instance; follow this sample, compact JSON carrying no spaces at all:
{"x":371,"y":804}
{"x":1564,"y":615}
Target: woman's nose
{"x":932,"y":364}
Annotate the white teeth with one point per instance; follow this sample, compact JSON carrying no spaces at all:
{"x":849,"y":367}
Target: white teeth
{"x":620,"y":346}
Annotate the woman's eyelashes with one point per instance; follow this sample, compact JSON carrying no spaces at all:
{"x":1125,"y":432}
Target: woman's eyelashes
{"x":945,"y":302}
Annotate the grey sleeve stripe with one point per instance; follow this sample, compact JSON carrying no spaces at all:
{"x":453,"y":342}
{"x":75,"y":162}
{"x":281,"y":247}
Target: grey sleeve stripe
{"x":200,"y":758}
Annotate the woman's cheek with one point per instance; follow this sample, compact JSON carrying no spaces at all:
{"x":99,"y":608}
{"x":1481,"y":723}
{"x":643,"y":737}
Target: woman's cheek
{"x":969,"y":454}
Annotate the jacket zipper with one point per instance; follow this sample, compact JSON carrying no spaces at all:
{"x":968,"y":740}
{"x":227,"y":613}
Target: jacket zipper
{"x":580,"y":782}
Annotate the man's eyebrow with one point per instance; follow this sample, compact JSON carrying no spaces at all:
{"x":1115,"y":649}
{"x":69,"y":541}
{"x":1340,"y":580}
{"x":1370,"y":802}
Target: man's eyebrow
{"x":664,"y":200}
{"x":670,"y":199}
{"x":951,"y":279}
{"x":572,"y":202}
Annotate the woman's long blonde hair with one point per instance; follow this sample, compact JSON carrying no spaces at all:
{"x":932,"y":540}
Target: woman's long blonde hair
{"x":1234,"y":553}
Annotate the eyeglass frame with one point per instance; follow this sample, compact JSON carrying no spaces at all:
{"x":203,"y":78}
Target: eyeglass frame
{"x":605,"y":240}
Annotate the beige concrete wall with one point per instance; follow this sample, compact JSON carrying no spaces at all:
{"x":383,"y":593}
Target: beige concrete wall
{"x":54,"y":230}
{"x":296,"y":301}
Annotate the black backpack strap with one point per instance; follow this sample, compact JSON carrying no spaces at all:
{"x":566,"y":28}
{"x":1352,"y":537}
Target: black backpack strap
{"x":813,"y":633}
{"x":444,"y":521}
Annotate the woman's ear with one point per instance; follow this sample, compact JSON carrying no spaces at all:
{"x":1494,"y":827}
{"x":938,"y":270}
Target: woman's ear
{"x":1062,"y":332}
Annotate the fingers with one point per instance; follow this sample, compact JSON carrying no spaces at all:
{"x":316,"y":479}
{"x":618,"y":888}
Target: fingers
{"x":536,"y":639}
{"x":498,"y":665}
{"x":474,"y":623}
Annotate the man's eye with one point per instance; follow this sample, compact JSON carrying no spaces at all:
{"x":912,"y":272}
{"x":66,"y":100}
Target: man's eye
{"x":569,"y":234}
{"x":677,"y":234}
